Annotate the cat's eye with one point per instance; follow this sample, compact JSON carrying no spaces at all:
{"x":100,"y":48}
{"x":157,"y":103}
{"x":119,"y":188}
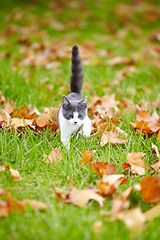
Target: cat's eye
{"x":79,"y":115}
{"x":70,"y":116}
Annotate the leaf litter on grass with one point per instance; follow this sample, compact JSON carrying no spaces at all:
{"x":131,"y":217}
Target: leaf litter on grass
{"x":105,"y":112}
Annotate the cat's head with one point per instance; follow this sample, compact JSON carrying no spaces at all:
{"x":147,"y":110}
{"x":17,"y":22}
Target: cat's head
{"x":74,"y":111}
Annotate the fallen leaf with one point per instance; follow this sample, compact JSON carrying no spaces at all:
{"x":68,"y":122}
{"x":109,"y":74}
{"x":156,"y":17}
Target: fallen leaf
{"x":14,"y":174}
{"x":109,"y":184}
{"x":81,"y":197}
{"x":4,"y":210}
{"x":103,"y":168}
{"x":112,"y":138}
{"x":120,"y":202}
{"x":145,"y":122}
{"x":18,"y":122}
{"x":54,"y":157}
{"x":150,"y":189}
{"x":152,"y":213}
{"x":33,"y":204}
{"x":87,"y":157}
{"x":43,"y":119}
{"x":135,"y":163}
{"x":134,"y":219}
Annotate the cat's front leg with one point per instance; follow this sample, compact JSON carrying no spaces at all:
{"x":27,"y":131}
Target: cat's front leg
{"x":87,"y":127}
{"x":65,"y":138}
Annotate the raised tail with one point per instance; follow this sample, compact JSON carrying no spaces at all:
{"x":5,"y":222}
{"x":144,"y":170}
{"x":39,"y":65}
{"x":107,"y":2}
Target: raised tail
{"x":77,"y":74}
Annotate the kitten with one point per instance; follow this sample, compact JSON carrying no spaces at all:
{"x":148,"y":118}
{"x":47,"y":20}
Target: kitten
{"x":72,"y":114}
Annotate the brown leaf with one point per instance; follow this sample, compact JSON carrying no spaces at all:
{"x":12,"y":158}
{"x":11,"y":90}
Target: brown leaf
{"x":134,"y":219}
{"x":110,"y":183}
{"x":43,"y":119}
{"x":81,"y":197}
{"x":13,"y":204}
{"x":150,"y":189}
{"x":33,"y":204}
{"x":121,"y":202}
{"x":152,"y":213}
{"x":111,"y":137}
{"x":14,"y":173}
{"x":87,"y":157}
{"x":54,"y":157}
{"x":103,"y":168}
{"x":18,"y":122}
{"x":4,"y":210}
{"x":135,"y":163}
{"x":21,"y":111}
{"x":145,"y":122}
{"x":136,"y":159}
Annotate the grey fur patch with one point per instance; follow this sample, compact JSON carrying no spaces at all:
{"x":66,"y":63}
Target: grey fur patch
{"x":70,"y":106}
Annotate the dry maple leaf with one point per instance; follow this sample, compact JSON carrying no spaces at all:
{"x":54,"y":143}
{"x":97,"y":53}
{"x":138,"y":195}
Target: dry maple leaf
{"x":112,"y":138}
{"x":156,"y":166}
{"x":135,"y":163}
{"x":145,"y":122}
{"x":103,"y":106}
{"x":54,"y":157}
{"x":87,"y":157}
{"x":101,"y":168}
{"x":110,"y":183}
{"x":150,"y":189}
{"x":4,"y":210}
{"x":33,"y":204}
{"x":80,"y":197}
{"x":43,"y":119}
{"x":121,"y":202}
{"x":134,"y":219}
{"x":20,"y":112}
{"x":18,"y":122}
{"x":152,"y":213}
{"x":14,"y":174}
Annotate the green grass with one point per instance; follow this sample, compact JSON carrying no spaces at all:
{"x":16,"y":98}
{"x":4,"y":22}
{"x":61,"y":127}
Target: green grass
{"x":97,"y":23}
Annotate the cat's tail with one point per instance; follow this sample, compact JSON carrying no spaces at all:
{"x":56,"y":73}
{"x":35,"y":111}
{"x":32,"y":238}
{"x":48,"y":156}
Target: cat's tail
{"x":77,"y":74}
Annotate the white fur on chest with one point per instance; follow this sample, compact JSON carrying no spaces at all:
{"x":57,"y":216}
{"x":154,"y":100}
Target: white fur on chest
{"x":68,"y":127}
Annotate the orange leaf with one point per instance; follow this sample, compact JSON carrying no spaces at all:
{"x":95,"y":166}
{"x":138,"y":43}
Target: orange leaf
{"x":33,"y":204}
{"x":87,"y":157}
{"x":112,"y":138}
{"x":103,"y":168}
{"x":54,"y":157}
{"x":43,"y":119}
{"x":14,"y":173}
{"x":150,"y":189}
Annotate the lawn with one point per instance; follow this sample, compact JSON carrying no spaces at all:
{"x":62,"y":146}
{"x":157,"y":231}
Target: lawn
{"x":119,"y":44}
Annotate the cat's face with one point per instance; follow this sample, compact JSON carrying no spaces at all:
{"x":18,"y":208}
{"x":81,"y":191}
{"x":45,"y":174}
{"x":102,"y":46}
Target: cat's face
{"x":74,"y":111}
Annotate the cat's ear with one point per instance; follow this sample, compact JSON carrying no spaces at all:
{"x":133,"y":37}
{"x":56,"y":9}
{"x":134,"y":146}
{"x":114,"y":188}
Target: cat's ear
{"x":83,"y":102}
{"x":65,"y":102}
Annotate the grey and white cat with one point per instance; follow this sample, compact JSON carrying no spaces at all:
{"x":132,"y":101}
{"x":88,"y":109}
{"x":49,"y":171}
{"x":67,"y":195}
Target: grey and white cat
{"x":72,"y":114}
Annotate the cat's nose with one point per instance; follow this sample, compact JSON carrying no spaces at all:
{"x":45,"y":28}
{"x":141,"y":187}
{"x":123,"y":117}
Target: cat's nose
{"x":75,"y":122}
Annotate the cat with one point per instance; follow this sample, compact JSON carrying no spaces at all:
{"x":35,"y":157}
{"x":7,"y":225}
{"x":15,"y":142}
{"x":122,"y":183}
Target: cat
{"x":72,"y":114}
